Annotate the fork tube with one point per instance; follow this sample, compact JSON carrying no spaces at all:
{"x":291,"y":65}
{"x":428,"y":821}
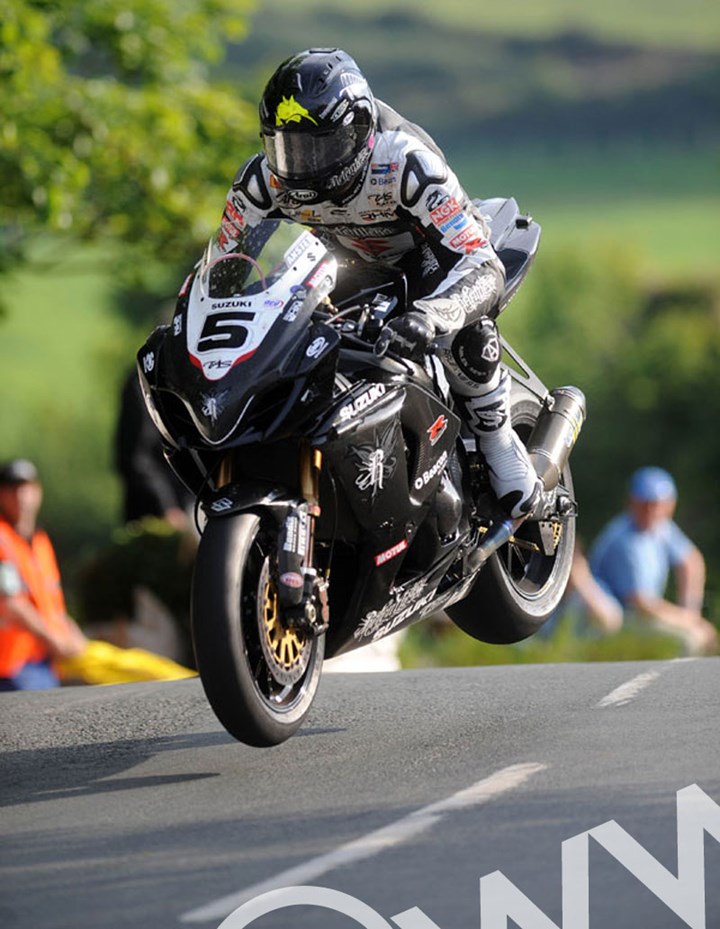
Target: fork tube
{"x":310,"y":465}
{"x":224,"y":474}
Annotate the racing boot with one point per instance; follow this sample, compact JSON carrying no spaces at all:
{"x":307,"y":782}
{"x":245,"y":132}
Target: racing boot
{"x":512,"y":475}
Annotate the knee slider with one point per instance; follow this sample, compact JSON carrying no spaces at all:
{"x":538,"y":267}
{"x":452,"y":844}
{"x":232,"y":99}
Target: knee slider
{"x":476,"y":350}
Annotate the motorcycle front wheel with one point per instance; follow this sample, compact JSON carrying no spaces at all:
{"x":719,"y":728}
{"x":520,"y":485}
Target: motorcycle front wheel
{"x":260,"y":677}
{"x":520,"y":587}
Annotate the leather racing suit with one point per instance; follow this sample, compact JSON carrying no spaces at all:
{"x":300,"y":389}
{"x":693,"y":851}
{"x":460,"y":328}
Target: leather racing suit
{"x":408,"y":209}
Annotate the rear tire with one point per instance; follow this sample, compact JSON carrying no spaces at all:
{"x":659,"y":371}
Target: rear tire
{"x":518,"y":590}
{"x":259,"y":677}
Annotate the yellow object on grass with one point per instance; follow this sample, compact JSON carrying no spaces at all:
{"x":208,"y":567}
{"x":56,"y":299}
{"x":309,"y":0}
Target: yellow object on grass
{"x":102,"y":663}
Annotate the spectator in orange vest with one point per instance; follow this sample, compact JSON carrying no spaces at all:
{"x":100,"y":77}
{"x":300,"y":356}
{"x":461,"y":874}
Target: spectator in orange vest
{"x":35,"y":629}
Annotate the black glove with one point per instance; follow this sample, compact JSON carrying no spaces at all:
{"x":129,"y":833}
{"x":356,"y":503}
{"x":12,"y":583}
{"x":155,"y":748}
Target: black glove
{"x":410,"y":336}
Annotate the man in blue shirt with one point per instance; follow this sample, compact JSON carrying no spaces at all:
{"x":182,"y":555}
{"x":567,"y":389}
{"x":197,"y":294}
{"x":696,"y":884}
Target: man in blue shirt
{"x":630,"y":562}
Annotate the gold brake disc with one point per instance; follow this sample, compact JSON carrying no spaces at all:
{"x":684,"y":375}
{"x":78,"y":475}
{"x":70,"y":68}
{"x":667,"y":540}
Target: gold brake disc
{"x":286,"y":650}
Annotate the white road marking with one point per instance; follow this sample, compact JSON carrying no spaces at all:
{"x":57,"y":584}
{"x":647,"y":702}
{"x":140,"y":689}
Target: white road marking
{"x":374,"y":842}
{"x":630,"y":689}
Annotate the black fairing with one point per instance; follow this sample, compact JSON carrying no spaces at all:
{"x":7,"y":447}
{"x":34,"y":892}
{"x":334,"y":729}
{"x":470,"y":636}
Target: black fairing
{"x":395,"y":504}
{"x":200,"y":412}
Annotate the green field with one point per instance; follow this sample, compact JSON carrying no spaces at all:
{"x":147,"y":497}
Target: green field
{"x":660,"y":204}
{"x":62,"y":353}
{"x":694,"y":24}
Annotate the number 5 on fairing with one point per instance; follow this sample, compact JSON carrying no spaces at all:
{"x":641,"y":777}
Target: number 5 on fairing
{"x":223,"y":330}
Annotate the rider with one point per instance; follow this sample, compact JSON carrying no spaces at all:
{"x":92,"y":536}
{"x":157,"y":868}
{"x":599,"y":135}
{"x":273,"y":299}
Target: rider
{"x":370,"y":182}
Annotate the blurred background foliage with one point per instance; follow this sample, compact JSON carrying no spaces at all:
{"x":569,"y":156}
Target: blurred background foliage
{"x":122,"y":124}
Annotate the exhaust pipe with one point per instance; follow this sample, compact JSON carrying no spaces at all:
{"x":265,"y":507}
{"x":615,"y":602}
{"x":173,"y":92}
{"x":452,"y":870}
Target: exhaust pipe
{"x":555,"y":433}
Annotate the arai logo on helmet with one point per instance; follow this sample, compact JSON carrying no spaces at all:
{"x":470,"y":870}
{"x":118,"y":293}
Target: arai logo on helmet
{"x":290,"y":111}
{"x":302,"y":196}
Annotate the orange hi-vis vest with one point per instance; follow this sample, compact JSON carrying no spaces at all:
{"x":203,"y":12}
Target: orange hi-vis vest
{"x":37,"y":568}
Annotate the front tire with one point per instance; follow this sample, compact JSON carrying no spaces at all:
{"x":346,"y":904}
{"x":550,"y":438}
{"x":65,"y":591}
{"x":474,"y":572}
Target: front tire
{"x":260,"y":677}
{"x":519,"y":588}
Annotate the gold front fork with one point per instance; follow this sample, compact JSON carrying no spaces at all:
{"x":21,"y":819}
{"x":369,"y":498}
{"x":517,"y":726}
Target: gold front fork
{"x":224,"y":474}
{"x":310,"y":467}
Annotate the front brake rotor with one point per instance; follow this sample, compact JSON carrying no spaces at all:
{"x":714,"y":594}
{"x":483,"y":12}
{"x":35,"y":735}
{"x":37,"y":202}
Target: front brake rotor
{"x":287,"y":650}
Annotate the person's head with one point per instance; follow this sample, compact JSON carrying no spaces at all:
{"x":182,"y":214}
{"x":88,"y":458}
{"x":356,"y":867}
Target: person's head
{"x":652,"y":497}
{"x":317,"y":121}
{"x":20,"y":494}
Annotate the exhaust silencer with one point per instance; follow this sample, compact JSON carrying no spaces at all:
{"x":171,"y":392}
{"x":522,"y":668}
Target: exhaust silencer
{"x":555,"y":433}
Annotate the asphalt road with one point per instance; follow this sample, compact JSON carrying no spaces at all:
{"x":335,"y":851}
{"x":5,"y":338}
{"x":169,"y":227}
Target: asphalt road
{"x":130,"y":806}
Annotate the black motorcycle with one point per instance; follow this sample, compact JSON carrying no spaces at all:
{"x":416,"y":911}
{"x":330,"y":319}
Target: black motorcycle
{"x":341,"y":498}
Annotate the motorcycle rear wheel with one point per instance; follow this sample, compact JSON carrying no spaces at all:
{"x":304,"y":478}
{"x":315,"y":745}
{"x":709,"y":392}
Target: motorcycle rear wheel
{"x":259,"y":677}
{"x":519,"y":588}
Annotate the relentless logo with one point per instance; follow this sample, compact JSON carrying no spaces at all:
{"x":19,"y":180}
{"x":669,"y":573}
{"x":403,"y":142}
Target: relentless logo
{"x":290,"y":111}
{"x":376,"y":463}
{"x":213,"y":404}
{"x":210,"y":408}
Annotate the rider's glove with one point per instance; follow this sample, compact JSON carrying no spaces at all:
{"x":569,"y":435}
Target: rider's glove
{"x":410,"y":336}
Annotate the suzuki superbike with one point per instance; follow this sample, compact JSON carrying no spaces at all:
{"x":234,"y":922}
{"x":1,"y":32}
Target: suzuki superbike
{"x":341,"y":499}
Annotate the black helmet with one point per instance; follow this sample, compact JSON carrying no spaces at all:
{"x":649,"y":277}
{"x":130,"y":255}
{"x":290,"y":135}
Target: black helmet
{"x":317,"y":118}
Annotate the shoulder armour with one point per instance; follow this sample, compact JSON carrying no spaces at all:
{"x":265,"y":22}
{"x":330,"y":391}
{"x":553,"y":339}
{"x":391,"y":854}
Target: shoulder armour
{"x":422,"y":168}
{"x":250,"y":183}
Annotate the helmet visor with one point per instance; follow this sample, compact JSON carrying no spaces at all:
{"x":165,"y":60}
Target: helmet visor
{"x":298,"y":156}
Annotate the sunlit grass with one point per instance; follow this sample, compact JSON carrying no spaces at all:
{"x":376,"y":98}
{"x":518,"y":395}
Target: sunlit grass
{"x":661,"y":204}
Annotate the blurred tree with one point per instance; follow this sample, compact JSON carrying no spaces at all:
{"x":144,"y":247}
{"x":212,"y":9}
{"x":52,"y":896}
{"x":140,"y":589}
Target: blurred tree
{"x":112,"y":128}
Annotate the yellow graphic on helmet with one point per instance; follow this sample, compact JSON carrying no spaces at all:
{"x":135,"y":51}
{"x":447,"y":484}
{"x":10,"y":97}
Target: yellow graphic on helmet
{"x":290,"y":111}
